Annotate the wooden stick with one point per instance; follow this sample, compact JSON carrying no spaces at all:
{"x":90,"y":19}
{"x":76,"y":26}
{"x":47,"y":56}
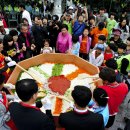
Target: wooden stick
{"x":32,"y":75}
{"x":94,"y":81}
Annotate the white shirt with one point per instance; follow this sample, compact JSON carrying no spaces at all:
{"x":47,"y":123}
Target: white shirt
{"x":96,"y":61}
{"x":26,"y":15}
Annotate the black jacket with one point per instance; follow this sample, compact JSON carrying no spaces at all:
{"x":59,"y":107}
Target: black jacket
{"x":39,"y":34}
{"x":29,"y":118}
{"x":87,"y":121}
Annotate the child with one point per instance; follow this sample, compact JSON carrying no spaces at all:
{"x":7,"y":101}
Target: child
{"x":120,"y":51}
{"x":128,"y":46}
{"x":108,"y":54}
{"x":10,"y":47}
{"x":76,"y":45}
{"x":96,"y":57}
{"x":99,"y":105}
{"x":4,"y":66}
{"x":46,"y":48}
{"x":101,"y":40}
{"x":85,"y":43}
{"x":111,"y":63}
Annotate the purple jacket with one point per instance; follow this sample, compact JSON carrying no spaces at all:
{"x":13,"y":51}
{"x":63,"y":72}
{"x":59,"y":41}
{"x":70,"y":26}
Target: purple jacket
{"x":64,"y":42}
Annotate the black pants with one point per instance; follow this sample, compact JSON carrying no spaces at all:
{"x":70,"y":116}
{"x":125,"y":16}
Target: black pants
{"x":85,"y":56}
{"x":110,"y":121}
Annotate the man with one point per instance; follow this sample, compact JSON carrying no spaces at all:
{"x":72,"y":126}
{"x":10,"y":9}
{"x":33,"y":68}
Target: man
{"x":39,"y":33}
{"x":81,"y":118}
{"x":116,"y":92}
{"x":25,"y":13}
{"x":25,"y":42}
{"x":25,"y":114}
{"x":101,"y":17}
{"x":54,"y":29}
{"x":111,"y":23}
{"x":79,"y":25}
{"x":96,"y":32}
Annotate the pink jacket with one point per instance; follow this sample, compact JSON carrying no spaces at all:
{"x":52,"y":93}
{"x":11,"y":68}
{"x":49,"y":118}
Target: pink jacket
{"x":88,"y":43}
{"x":64,"y":42}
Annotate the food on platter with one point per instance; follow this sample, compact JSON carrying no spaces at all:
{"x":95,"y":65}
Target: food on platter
{"x":59,"y":84}
{"x":68,"y":69}
{"x":58,"y":106}
{"x":59,"y":80}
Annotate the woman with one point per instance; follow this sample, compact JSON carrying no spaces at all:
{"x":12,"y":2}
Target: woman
{"x":122,"y":25}
{"x":64,"y":40}
{"x":85,"y":43}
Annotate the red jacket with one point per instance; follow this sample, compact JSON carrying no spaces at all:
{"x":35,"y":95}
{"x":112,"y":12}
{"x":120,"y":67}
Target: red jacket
{"x":116,"y":93}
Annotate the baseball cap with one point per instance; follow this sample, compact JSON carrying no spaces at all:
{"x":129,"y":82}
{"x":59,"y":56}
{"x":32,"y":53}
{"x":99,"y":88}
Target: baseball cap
{"x":100,"y":47}
{"x":117,"y":32}
{"x":70,"y":8}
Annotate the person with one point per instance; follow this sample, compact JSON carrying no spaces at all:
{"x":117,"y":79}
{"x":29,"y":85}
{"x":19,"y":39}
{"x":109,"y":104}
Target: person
{"x":25,"y":114}
{"x":14,"y":34}
{"x":5,"y":62}
{"x":124,"y":64}
{"x":110,"y":24}
{"x":68,"y":21}
{"x":25,"y":42}
{"x":122,"y":25}
{"x":101,"y":17}
{"x":10,"y":48}
{"x":100,"y":30}
{"x":85,"y":44}
{"x":46,"y":48}
{"x":116,"y":39}
{"x":113,"y":90}
{"x":5,"y":120}
{"x":81,"y":118}
{"x":79,"y":26}
{"x":92,"y":22}
{"x":128,"y":46}
{"x":96,"y":57}
{"x":127,"y":127}
{"x":39,"y":33}
{"x":25,"y":13}
{"x":111,"y":63}
{"x":99,"y":104}
{"x":101,"y":40}
{"x":121,"y":51}
{"x":109,"y":53}
{"x":75,"y":45}
{"x":64,"y":40}
{"x":54,"y":29}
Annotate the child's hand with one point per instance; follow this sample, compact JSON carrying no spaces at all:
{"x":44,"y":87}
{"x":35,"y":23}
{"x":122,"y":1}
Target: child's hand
{"x":24,"y":48}
{"x":13,"y":53}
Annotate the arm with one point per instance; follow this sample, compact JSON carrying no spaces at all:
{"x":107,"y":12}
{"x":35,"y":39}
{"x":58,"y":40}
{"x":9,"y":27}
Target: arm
{"x":75,"y":16}
{"x":100,"y":61}
{"x":70,"y":43}
{"x":86,"y":13}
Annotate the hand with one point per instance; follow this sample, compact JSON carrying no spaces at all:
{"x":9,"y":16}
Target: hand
{"x":13,"y":53}
{"x":46,"y":103}
{"x":9,"y":86}
{"x":24,"y":48}
{"x":8,"y":58}
{"x":11,"y":63}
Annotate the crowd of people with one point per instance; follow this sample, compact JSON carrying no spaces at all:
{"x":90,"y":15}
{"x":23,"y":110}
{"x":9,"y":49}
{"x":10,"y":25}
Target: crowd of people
{"x":100,"y":39}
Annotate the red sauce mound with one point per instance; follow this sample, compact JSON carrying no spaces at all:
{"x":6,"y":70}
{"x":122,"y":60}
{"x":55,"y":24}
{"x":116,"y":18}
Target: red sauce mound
{"x":59,"y":84}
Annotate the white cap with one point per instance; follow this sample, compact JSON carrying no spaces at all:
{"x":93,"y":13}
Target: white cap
{"x":71,"y":7}
{"x":1,"y":23}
